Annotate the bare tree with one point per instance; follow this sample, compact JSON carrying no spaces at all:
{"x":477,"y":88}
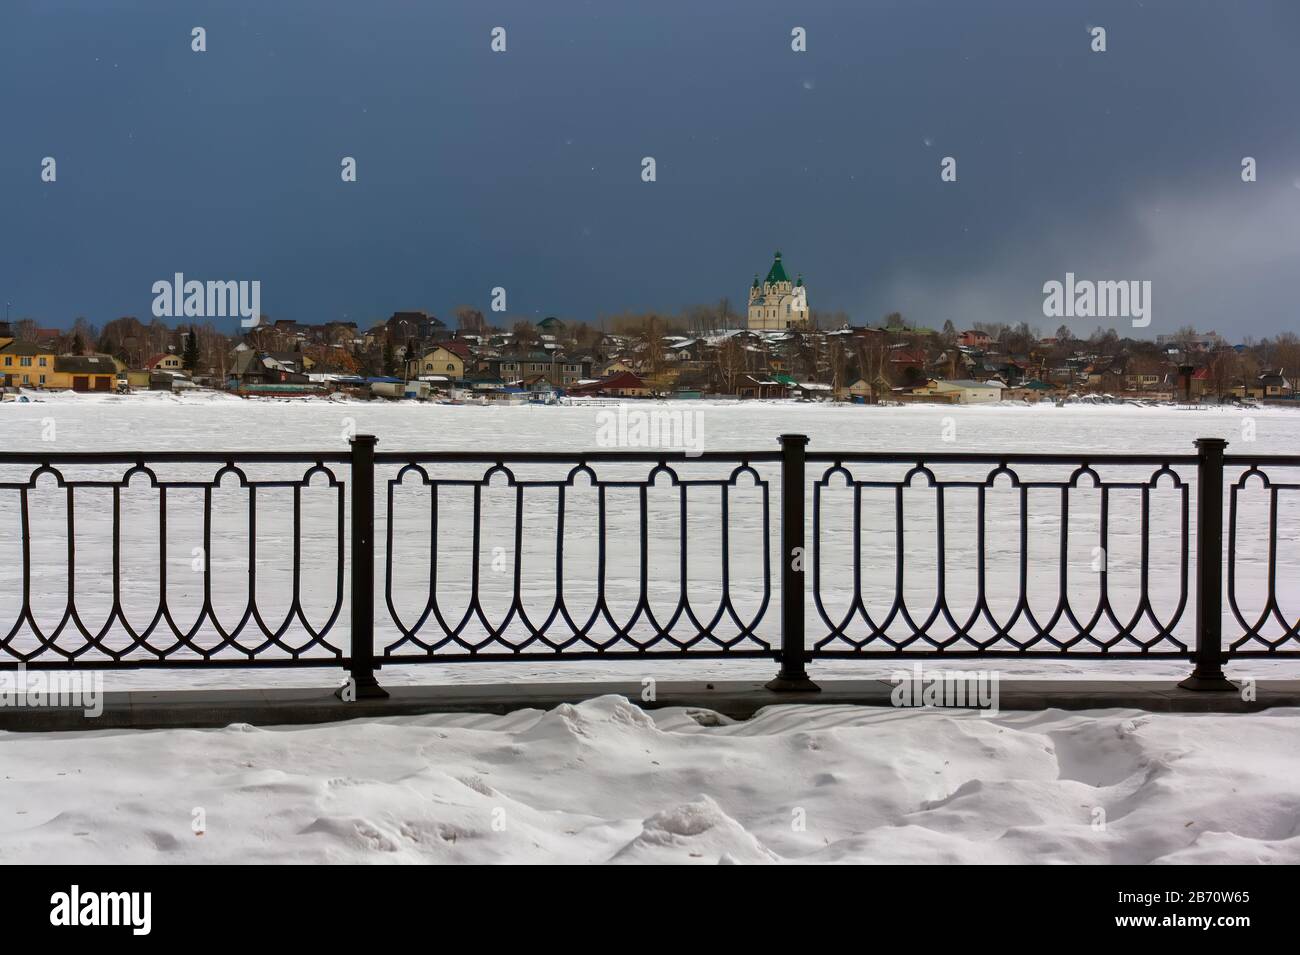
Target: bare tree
{"x":731,"y":363}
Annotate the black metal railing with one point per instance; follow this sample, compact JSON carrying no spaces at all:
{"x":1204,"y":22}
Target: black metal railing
{"x":1063,"y":627}
{"x":244,"y":637}
{"x":628,"y":631}
{"x":912,"y":564}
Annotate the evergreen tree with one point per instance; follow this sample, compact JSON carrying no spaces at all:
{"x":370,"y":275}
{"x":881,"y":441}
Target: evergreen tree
{"x":190,"y":357}
{"x":390,"y":359}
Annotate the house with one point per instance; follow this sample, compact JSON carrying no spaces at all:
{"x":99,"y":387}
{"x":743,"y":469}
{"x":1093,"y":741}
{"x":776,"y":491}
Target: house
{"x":1201,"y":383}
{"x":907,"y":365}
{"x":965,"y":391}
{"x":572,"y":370}
{"x":750,"y":386}
{"x":974,"y":339}
{"x":1272,"y":384}
{"x":415,"y":326}
{"x":1146,"y":379}
{"x":1009,"y":370}
{"x":165,"y":362}
{"x":84,"y":373}
{"x":537,"y":385}
{"x":624,"y":384}
{"x":31,"y":365}
{"x":293,"y":360}
{"x":687,"y":350}
{"x":811,"y":391}
{"x":560,"y":370}
{"x":1031,"y":391}
{"x":860,"y":389}
{"x":441,"y":360}
{"x":255,"y":369}
{"x":927,"y":392}
{"x":485,"y":384}
{"x":26,"y":364}
{"x":146,"y":380}
{"x":614,"y":367}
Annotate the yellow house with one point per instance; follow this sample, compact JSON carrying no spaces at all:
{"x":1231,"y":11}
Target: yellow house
{"x":165,"y":362}
{"x":615,"y":367}
{"x":84,"y":373}
{"x":859,"y":388}
{"x":438,"y":361}
{"x":26,"y":365}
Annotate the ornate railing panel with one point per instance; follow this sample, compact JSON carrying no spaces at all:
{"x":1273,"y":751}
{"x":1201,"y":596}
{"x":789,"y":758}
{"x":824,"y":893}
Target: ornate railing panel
{"x":633,"y":610}
{"x":1044,"y":501}
{"x":45,"y":621}
{"x":1265,"y":612}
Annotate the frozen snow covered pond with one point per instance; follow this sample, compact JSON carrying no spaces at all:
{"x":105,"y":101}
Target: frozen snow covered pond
{"x":605,"y":781}
{"x":157,"y":421}
{"x":64,"y":422}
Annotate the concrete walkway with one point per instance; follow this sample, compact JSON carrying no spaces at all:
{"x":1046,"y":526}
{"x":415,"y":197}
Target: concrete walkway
{"x":740,"y":700}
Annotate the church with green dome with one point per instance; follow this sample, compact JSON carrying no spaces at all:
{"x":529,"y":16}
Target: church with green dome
{"x":777,"y":303}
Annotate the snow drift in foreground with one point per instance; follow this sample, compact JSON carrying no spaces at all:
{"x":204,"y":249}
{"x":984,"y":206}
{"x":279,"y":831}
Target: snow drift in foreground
{"x":606,"y":781}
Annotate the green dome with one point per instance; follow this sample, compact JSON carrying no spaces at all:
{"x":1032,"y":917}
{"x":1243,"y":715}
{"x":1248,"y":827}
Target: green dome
{"x":777,"y":272}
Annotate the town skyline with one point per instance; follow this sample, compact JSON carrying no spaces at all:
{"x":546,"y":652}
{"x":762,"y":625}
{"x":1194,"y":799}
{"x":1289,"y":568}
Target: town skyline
{"x":725,"y":313}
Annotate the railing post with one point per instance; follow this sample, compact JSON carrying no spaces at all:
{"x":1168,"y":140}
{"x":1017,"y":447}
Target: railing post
{"x":793,"y":655}
{"x":1208,"y":656}
{"x":362,"y":557}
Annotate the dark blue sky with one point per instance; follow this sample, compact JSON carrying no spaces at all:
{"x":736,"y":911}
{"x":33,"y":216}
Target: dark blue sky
{"x":522,"y":169}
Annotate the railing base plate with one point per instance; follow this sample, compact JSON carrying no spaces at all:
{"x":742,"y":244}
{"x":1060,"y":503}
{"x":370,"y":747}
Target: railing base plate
{"x":785,"y":684}
{"x":1219,"y":683}
{"x":364,"y":691}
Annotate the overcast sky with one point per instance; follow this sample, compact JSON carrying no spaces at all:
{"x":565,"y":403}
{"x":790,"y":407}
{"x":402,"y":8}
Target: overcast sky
{"x":522,"y":169}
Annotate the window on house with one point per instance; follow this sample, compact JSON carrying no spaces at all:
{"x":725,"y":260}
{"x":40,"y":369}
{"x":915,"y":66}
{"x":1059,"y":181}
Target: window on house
{"x":43,"y":361}
{"x":451,"y":367}
{"x":42,"y":379}
{"x":25,"y":362}
{"x":9,"y":360}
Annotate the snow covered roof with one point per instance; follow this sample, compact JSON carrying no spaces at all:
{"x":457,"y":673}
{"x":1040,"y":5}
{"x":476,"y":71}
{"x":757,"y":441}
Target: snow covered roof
{"x":968,"y":383}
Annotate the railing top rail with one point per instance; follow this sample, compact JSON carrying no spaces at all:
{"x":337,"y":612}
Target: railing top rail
{"x":157,"y":457}
{"x":569,"y":457}
{"x":957,"y":457}
{"x":1277,"y":460}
